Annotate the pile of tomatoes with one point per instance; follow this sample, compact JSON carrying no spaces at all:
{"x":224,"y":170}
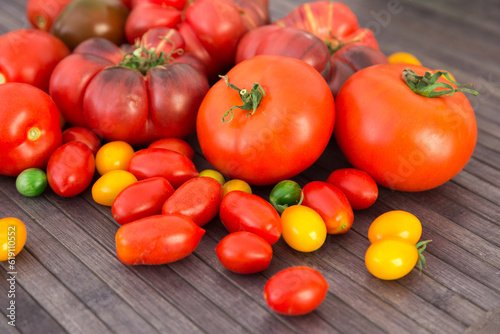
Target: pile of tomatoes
{"x":121,"y":84}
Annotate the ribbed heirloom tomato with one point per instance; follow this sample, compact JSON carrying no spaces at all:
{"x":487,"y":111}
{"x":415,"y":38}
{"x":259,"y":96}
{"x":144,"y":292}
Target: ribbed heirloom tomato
{"x":269,"y":119}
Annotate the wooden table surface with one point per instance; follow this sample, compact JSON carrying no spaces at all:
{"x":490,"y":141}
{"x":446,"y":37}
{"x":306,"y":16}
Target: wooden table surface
{"x":69,"y":279}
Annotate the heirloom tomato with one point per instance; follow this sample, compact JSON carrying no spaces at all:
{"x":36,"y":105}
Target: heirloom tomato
{"x":407,"y":131}
{"x":137,"y":97}
{"x":244,"y":252}
{"x":29,"y":128}
{"x":359,"y":188}
{"x":29,"y":56}
{"x":157,"y":239}
{"x":70,"y":169}
{"x":295,"y":291}
{"x":31,"y":182}
{"x":303,"y":228}
{"x":12,"y":237}
{"x":285,"y":194}
{"x":198,"y":199}
{"x":351,"y":47}
{"x":240,"y":211}
{"x":281,"y":128}
{"x":141,"y":199}
{"x":109,"y":185}
{"x":84,"y":135}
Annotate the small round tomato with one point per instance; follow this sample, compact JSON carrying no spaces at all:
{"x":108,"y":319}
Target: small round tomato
{"x":303,"y":228}
{"x":113,"y":155}
{"x":109,"y":185}
{"x":12,"y":237}
{"x":236,"y":184}
{"x":396,"y":223}
{"x":359,"y":188}
{"x":213,"y":174}
{"x":391,"y":258}
{"x":84,"y":135}
{"x":244,"y":252}
{"x":284,"y":194}
{"x":174,"y":144}
{"x":295,"y":291}
{"x":403,"y":57}
{"x":31,"y":182}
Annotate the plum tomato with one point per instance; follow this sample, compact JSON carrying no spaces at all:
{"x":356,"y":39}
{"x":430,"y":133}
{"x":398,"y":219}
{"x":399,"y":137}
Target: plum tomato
{"x":174,"y":144}
{"x":109,"y":185}
{"x":295,"y":291}
{"x":12,"y":237}
{"x":86,"y":136}
{"x":359,"y":188}
{"x":112,"y":156}
{"x":31,"y":182}
{"x":240,"y":211}
{"x":244,"y":252}
{"x":396,"y":223}
{"x":303,"y":228}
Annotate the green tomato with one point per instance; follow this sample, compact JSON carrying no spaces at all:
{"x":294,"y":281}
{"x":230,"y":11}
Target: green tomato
{"x":31,"y":182}
{"x":303,"y":229}
{"x":285,"y":194}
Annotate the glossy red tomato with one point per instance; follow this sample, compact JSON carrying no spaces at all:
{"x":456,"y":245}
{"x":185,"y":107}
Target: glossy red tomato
{"x":286,"y":133}
{"x":403,"y":140}
{"x":84,"y":135}
{"x":359,"y":188}
{"x":141,"y":199}
{"x":70,"y":169}
{"x":30,"y":56}
{"x":29,"y":128}
{"x":244,"y":252}
{"x":174,"y":144}
{"x":295,"y":291}
{"x":42,"y":14}
{"x":198,"y":198}
{"x":241,"y":211}
{"x":331,"y":204}
{"x":157,"y":240}
{"x":173,"y":166}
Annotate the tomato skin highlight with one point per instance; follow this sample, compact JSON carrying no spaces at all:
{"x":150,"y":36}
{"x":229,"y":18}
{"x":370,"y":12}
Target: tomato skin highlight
{"x":359,"y":188}
{"x":70,"y":169}
{"x":198,"y":198}
{"x":295,"y":291}
{"x":332,"y":205}
{"x":244,"y":252}
{"x":240,"y":211}
{"x":173,"y":166}
{"x":157,"y":240}
{"x":141,"y":199}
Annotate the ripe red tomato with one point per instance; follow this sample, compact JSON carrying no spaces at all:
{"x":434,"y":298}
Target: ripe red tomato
{"x":241,"y":211}
{"x":30,"y":56}
{"x":288,"y":131}
{"x":141,"y":199}
{"x":174,"y":144}
{"x":42,"y":14}
{"x":198,"y":198}
{"x":70,"y":169}
{"x":244,"y":252}
{"x":157,"y":239}
{"x":331,"y":204}
{"x":295,"y":291}
{"x":359,"y":188}
{"x":403,"y":140}
{"x":173,"y":166}
{"x":84,"y":135}
{"x":29,"y":128}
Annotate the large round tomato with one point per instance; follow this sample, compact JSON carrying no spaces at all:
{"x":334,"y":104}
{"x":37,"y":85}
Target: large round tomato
{"x":30,"y":56}
{"x":273,"y":139}
{"x":29,"y":128}
{"x":403,"y":140}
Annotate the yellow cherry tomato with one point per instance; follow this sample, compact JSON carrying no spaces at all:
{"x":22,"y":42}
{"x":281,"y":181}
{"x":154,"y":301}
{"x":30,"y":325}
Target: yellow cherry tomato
{"x":403,"y":57}
{"x":12,"y":237}
{"x":108,"y":186}
{"x":114,"y":155}
{"x":213,"y":174}
{"x":391,"y":258}
{"x":236,"y":184}
{"x":396,"y":223}
{"x":303,"y":229}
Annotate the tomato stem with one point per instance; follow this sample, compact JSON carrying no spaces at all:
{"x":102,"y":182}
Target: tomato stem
{"x":421,"y":259}
{"x":251,"y":100}
{"x":426,"y":85}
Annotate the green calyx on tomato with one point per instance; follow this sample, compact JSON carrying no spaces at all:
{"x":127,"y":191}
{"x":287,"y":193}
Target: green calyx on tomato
{"x":334,"y":43}
{"x":427,"y":84}
{"x":142,"y":59}
{"x":251,"y":100}
{"x":421,"y":259}
{"x":284,"y":194}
